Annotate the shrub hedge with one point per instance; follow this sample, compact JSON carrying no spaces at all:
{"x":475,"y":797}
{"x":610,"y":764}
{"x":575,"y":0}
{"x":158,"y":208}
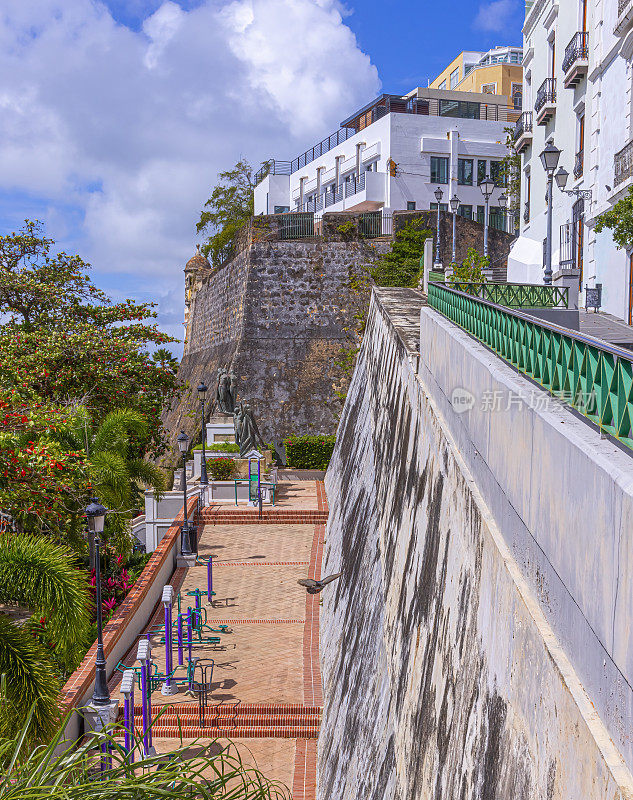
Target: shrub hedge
{"x":309,"y":452}
{"x":221,"y":469}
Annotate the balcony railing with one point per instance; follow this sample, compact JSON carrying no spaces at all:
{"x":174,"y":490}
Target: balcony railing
{"x":622,"y":4}
{"x":523,"y":125}
{"x":579,"y":163}
{"x":567,"y":257}
{"x":623,"y":164}
{"x":526,"y":212}
{"x":272,"y":167}
{"x":348,"y":189}
{"x":578,"y":48}
{"x":581,"y":371}
{"x":545,"y":94}
{"x":433,"y":106}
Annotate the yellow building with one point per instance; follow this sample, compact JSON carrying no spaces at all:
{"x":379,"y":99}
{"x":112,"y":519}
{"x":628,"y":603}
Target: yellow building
{"x":498,"y":71}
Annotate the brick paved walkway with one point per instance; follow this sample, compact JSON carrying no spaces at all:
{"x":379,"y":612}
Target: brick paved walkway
{"x":266,"y":688}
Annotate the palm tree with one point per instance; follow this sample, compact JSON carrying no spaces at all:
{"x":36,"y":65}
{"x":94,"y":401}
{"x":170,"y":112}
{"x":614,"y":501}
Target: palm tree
{"x":38,"y":579}
{"x":116,"y":472}
{"x":199,"y":771}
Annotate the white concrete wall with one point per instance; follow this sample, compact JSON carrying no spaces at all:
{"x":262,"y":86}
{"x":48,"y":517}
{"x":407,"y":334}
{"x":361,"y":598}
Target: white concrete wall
{"x":450,"y":646}
{"x":409,"y":140}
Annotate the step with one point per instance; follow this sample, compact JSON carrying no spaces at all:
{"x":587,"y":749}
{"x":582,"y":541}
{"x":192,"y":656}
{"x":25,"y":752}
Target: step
{"x":231,"y":731}
{"x":224,"y":710}
{"x":252,"y":721}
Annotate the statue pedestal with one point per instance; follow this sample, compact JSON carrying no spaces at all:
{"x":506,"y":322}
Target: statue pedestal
{"x":220,"y":428}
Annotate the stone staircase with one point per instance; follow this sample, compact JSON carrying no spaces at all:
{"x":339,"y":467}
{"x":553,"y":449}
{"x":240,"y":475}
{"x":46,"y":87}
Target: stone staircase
{"x":221,"y":515}
{"x":255,"y":720}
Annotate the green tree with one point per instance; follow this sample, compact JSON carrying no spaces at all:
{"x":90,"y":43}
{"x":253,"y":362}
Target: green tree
{"x":117,"y":473}
{"x":471,"y":269}
{"x":619,"y":220}
{"x":511,"y":172}
{"x":64,"y":342}
{"x":39,"y":579}
{"x":227,"y":210}
{"x":401,"y":266}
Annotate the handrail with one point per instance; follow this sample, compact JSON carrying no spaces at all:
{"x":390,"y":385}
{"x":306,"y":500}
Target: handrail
{"x":546,"y":93}
{"x":578,"y":47}
{"x":523,"y":125}
{"x":516,"y":295}
{"x":591,"y":376}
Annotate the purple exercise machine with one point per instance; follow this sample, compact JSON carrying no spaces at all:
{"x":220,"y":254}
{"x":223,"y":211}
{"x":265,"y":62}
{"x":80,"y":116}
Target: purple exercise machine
{"x":169,"y":686}
{"x":127,"y":689}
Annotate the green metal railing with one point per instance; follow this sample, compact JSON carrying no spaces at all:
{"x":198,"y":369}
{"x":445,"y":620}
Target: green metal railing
{"x":298,"y":225}
{"x":517,"y":295}
{"x":593,"y":377}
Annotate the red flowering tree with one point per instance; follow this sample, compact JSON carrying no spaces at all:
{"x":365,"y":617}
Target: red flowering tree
{"x":67,"y":343}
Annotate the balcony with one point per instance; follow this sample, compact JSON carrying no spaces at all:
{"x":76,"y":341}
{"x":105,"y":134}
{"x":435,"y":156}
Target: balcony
{"x":366,"y":190}
{"x":579,"y":164}
{"x":526,"y":212}
{"x":576,"y":61}
{"x":272,"y":167}
{"x":623,"y":165}
{"x":523,"y":132}
{"x":545,"y":105}
{"x":625,"y":17}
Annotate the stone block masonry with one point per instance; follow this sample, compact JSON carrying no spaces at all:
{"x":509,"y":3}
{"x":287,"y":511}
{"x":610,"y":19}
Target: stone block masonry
{"x":282,"y":313}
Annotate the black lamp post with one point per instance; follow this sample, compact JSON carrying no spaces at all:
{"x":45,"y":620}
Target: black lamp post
{"x":487,"y":187}
{"x":549,"y":159}
{"x":454,"y":206}
{"x":438,"y":196}
{"x":183,"y":447}
{"x":96,"y":514}
{"x":202,"y":392}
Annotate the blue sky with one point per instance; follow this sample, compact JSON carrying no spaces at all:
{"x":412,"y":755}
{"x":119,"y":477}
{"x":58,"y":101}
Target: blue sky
{"x":116,"y":117}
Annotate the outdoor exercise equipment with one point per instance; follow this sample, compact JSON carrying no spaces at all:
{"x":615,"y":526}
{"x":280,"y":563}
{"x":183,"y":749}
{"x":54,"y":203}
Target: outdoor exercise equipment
{"x":144,"y":655}
{"x":127,"y":689}
{"x":209,"y":562}
{"x":169,"y":687}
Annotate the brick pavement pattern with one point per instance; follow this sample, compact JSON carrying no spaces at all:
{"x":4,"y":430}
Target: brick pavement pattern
{"x":266,"y":686}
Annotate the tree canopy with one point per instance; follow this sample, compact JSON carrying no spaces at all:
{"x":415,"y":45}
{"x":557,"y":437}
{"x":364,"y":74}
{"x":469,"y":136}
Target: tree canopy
{"x":227,"y":210}
{"x":619,"y":220}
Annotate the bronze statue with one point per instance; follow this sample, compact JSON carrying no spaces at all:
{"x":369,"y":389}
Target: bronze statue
{"x":247,"y":435}
{"x":225,"y":395}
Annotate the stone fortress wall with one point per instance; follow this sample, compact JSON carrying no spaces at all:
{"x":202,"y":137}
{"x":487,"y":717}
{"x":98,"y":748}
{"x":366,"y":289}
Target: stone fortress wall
{"x":281,"y":313}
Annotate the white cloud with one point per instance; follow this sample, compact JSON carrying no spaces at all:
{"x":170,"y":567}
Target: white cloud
{"x":132,"y":127}
{"x":495,"y":16}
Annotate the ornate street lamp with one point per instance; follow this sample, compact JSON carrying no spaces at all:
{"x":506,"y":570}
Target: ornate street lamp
{"x":202,"y":392}
{"x":454,"y":206}
{"x":561,"y":181}
{"x":438,"y":196}
{"x":185,"y":542}
{"x":549,"y":159}
{"x":96,"y":514}
{"x":487,"y":187}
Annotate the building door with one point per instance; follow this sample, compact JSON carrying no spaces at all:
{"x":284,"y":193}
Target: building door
{"x":578,"y":219}
{"x":630,"y":288}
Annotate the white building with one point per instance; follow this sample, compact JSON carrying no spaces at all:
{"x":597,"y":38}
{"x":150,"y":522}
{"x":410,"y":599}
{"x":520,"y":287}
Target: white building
{"x":392,"y":154}
{"x":577,"y":91}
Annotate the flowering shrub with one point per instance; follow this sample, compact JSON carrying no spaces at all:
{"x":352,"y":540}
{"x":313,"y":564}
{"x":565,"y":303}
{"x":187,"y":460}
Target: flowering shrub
{"x":221,"y":469}
{"x":309,"y":452}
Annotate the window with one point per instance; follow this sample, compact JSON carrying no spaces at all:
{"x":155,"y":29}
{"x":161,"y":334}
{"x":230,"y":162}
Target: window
{"x":410,"y":205}
{"x":465,"y":211}
{"x":496,"y":173}
{"x":454,"y":78}
{"x":528,"y":189}
{"x":465,"y":171}
{"x":468,"y":68}
{"x":439,"y":169}
{"x":514,"y":57}
{"x":481,"y":213}
{"x":282,"y":209}
{"x":459,"y":108}
{"x":442,"y":85}
{"x":489,"y":88}
{"x":496,"y":218}
{"x":443,"y":207}
{"x":481,"y":171}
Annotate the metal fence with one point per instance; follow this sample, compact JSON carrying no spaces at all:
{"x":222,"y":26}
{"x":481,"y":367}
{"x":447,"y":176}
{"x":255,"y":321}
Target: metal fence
{"x":272,"y":167}
{"x":373,"y":224}
{"x":585,"y":373}
{"x":517,"y":295}
{"x":523,"y":125}
{"x":577,"y":48}
{"x":296,"y":226}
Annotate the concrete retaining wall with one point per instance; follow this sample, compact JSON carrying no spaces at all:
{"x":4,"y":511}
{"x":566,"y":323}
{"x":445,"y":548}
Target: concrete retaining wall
{"x":443,"y":677}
